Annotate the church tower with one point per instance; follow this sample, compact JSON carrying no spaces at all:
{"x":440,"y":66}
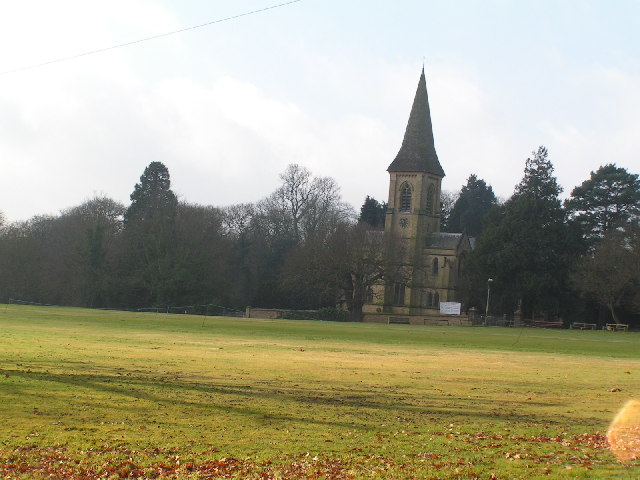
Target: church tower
{"x":414,"y":198}
{"x":431,"y":262}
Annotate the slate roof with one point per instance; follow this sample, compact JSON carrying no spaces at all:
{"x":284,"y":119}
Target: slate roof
{"x":445,"y":241}
{"x":418,"y":152}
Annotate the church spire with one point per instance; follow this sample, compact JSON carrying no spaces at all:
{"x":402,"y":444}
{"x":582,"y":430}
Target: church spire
{"x":418,"y":153}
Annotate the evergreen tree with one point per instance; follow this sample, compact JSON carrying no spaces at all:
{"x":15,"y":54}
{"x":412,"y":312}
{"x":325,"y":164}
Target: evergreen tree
{"x":373,"y":212}
{"x":609,"y":199}
{"x":472,"y":206}
{"x":96,"y":226}
{"x":526,"y":246}
{"x":152,"y":199}
{"x":150,"y":238}
{"x":538,"y":182}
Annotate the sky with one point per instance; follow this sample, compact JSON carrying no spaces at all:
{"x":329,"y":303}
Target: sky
{"x":327,"y":84}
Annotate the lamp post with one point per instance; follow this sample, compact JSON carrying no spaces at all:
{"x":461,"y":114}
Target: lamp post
{"x":486,"y":312}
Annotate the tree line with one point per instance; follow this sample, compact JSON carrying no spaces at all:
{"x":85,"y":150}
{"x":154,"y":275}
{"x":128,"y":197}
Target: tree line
{"x":303,"y":247}
{"x":547,"y":257}
{"x":288,"y":250}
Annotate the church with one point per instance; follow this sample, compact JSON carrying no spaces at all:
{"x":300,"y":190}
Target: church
{"x":433,"y":260}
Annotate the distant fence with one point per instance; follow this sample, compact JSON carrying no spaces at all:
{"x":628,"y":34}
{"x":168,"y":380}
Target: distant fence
{"x":208,"y":309}
{"x":506,"y":321}
{"x":214,"y":310}
{"x":495,"y":321}
{"x":337,"y":315}
{"x":328,"y":313}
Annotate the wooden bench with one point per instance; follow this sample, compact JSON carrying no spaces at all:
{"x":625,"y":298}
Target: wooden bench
{"x":584,"y":326}
{"x":546,"y":324}
{"x":440,"y":322}
{"x":399,"y":320}
{"x":617,"y":327}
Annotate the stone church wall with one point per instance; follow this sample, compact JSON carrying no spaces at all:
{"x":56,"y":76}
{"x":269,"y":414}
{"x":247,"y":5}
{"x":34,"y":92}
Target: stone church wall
{"x":444,"y":320}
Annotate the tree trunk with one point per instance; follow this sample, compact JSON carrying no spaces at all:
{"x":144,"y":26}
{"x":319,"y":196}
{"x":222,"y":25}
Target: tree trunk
{"x":613,"y":313}
{"x":356,"y":300}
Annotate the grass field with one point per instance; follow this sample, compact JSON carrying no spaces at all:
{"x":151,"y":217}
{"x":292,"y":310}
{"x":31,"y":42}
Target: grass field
{"x":95,"y":394}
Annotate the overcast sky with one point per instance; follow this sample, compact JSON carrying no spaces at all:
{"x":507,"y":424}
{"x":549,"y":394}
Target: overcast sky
{"x":324,"y":83}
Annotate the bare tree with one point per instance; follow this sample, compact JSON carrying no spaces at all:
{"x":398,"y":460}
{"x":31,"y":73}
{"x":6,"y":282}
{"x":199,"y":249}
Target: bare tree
{"x":236,"y":219}
{"x":344,"y":266}
{"x":202,"y":259}
{"x":611,"y":273}
{"x":295,"y":195}
{"x":304,"y":205}
{"x":447,"y":201}
{"x":367,"y":258}
{"x":325,"y":210}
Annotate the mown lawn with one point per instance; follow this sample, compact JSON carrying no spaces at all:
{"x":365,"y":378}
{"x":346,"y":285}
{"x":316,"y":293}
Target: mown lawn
{"x":97,"y":394}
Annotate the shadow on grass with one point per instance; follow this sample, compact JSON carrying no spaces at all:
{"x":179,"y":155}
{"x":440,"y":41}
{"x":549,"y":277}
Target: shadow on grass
{"x":263,"y":400}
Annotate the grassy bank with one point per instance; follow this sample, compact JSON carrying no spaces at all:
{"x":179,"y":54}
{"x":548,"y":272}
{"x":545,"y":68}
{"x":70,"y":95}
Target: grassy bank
{"x":125,"y":394}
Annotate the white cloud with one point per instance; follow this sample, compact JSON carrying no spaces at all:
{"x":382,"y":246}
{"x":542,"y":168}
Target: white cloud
{"x":69,"y":129}
{"x":225,"y":139}
{"x":226,"y":130}
{"x":229,"y":141}
{"x":609,"y":135}
{"x":42,"y":31}
{"x":472,"y":134}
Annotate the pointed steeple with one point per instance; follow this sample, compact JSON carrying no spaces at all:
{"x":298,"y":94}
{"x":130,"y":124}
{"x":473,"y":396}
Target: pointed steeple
{"x":418,"y":153}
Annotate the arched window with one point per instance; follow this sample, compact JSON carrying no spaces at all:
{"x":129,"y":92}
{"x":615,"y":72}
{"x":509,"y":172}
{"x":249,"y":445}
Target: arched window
{"x":405,"y":198}
{"x":429,"y":299}
{"x":435,"y":268}
{"x":430,"y":198}
{"x":436,"y":300}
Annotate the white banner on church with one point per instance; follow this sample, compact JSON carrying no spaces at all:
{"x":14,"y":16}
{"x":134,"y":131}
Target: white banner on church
{"x":450,"y":308}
